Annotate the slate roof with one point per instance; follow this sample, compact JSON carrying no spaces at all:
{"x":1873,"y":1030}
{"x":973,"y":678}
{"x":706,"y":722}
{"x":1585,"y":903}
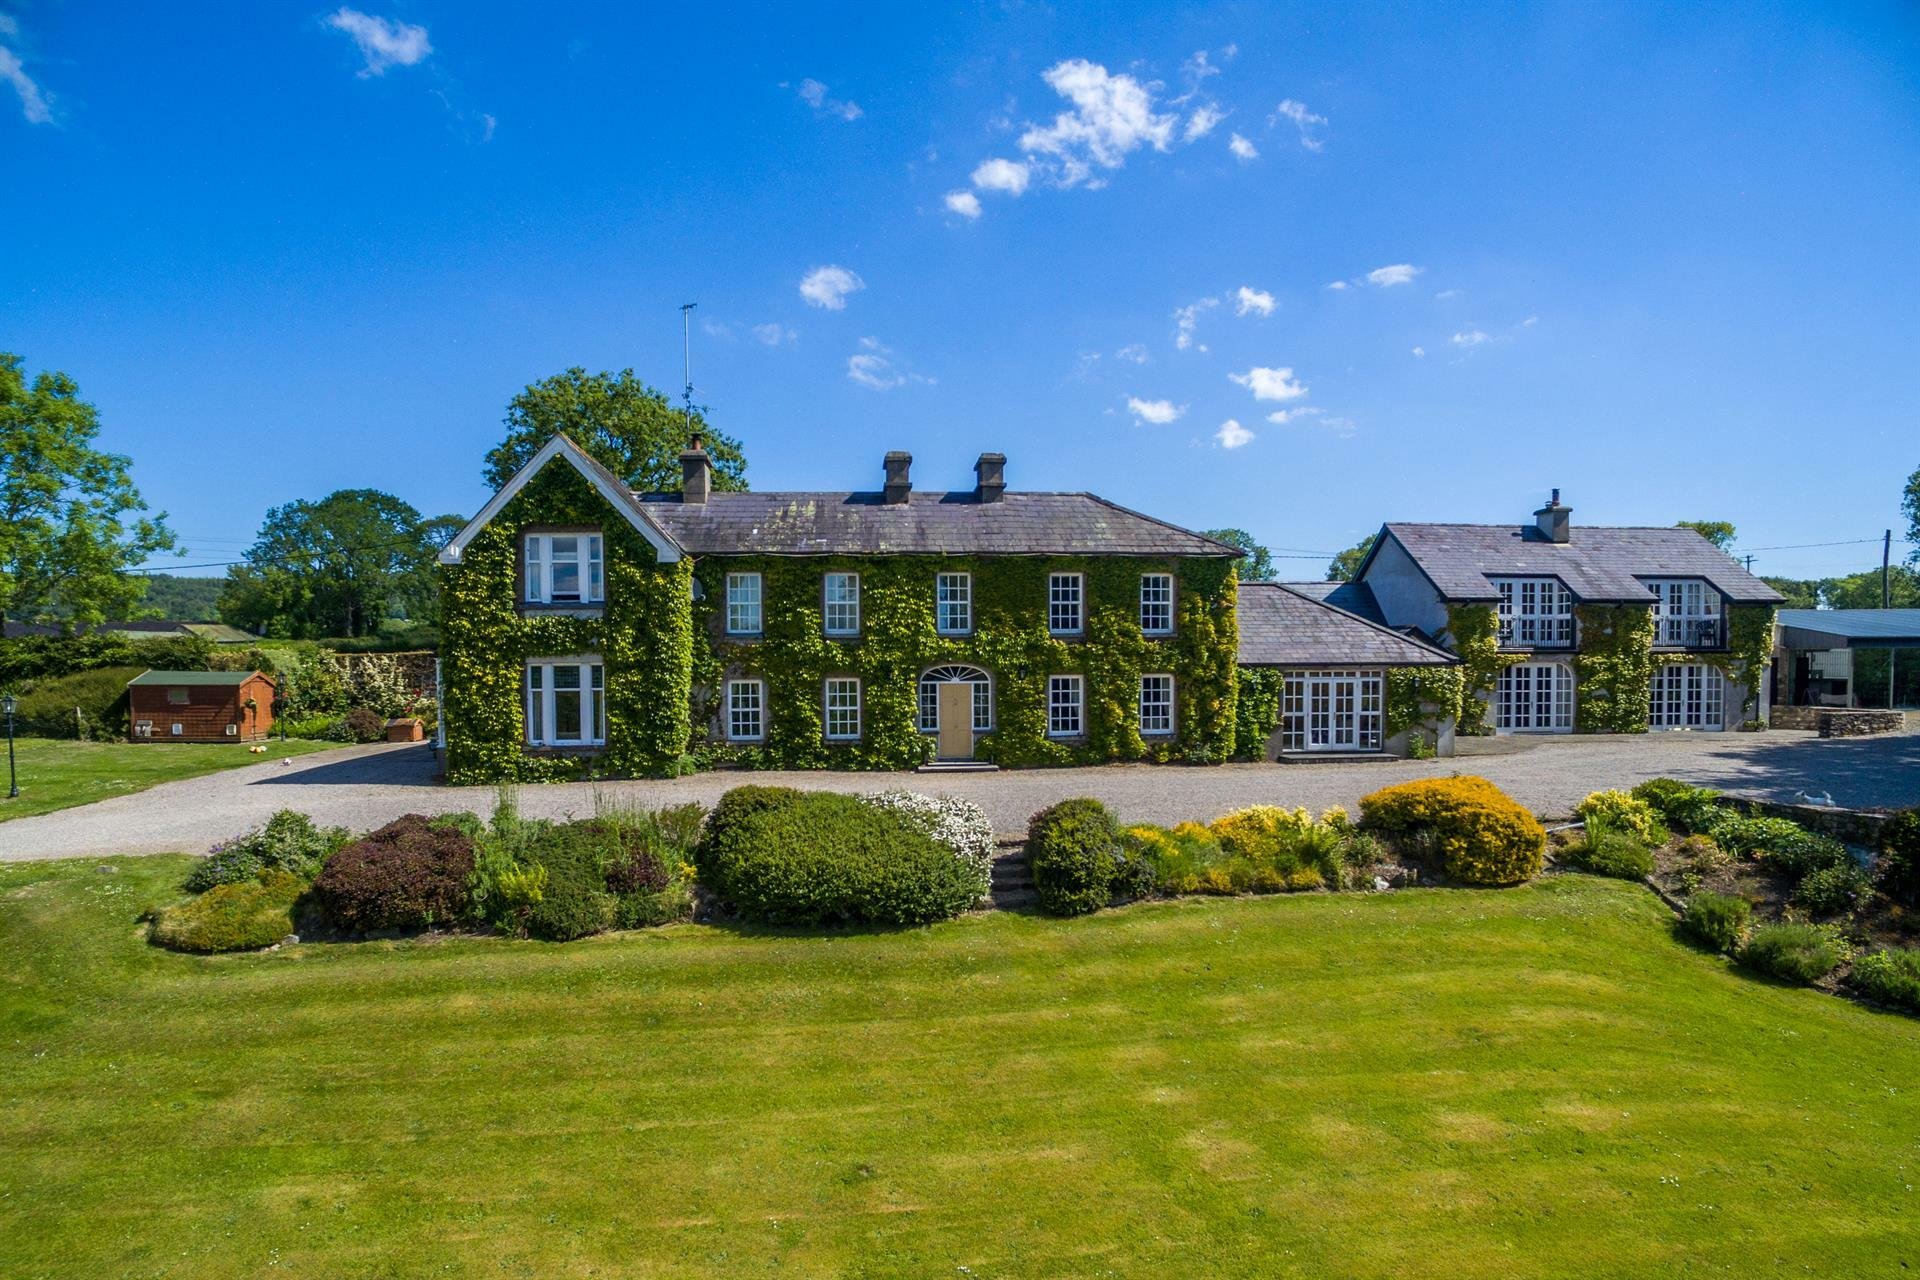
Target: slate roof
{"x":194,"y":677}
{"x":1855,"y":624}
{"x":1284,"y":627}
{"x":1354,"y":597}
{"x":1020,"y":524}
{"x":1599,"y":564}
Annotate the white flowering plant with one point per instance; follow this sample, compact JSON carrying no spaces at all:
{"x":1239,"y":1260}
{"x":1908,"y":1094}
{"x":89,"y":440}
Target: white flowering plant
{"x":960,"y":825}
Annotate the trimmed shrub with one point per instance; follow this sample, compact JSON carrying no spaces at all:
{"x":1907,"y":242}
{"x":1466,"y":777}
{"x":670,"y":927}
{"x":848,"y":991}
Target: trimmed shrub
{"x":1624,"y":813}
{"x":46,"y":706}
{"x":407,"y":875}
{"x":1891,"y":977}
{"x":289,"y":841}
{"x":1787,"y":847}
{"x":1719,"y":920}
{"x":1483,"y":836}
{"x":1283,"y":844}
{"x":243,"y":915}
{"x":1077,"y":859}
{"x":1795,"y":952}
{"x":1831,"y":891}
{"x":817,"y":858}
{"x":735,"y":807}
{"x":575,"y":900}
{"x":960,"y":825}
{"x":1608,"y":850}
{"x":1900,"y":857}
{"x":366,"y":725}
{"x":1681,"y":805}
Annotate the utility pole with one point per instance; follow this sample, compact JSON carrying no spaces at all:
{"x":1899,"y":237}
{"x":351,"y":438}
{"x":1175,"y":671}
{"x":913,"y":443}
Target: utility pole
{"x":1886,"y":583}
{"x":1749,"y":559}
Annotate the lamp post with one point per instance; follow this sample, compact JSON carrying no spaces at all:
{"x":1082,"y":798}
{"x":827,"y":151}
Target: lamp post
{"x":13,"y":777}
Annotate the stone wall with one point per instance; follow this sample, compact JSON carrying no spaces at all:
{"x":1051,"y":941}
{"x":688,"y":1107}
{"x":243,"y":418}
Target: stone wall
{"x":1839,"y":722}
{"x":1854,"y":826}
{"x":1795,"y":717}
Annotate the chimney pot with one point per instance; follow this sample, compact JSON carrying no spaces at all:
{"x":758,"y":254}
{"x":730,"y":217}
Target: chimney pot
{"x":696,"y":472}
{"x":991,"y":471}
{"x":899,"y":483}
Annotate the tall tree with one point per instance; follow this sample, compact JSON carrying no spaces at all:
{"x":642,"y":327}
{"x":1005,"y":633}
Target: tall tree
{"x":1910,"y":508}
{"x":1347,"y":563}
{"x":1258,"y":566}
{"x":1718,"y":532}
{"x":1800,"y":593}
{"x":1862,"y":590}
{"x":632,"y":429}
{"x":71,"y":521}
{"x":339,"y":566}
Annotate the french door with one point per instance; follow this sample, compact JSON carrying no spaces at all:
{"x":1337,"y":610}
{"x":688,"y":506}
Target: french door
{"x":1687,"y":695}
{"x":1332,"y":711}
{"x":1535,"y":697}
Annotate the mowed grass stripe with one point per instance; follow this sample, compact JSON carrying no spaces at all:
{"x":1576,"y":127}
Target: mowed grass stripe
{"x":1468,"y":1083}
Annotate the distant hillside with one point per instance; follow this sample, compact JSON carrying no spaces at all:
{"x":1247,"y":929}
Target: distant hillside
{"x":182,"y":599}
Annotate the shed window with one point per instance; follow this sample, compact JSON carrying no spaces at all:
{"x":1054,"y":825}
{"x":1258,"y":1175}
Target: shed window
{"x":177,"y":697}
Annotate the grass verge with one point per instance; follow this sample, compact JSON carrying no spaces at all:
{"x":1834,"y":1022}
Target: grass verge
{"x":55,"y":774}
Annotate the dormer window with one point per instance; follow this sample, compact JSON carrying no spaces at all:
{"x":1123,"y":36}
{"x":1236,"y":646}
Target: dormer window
{"x":1686,"y":613}
{"x":1535,"y":612}
{"x":565,"y":568}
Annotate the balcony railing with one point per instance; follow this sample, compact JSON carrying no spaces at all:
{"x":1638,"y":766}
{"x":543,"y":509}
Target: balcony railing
{"x":1536,"y":633}
{"x":1690,"y":633}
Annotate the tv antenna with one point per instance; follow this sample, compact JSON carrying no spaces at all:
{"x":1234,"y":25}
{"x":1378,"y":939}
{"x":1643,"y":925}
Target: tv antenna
{"x":686,"y":353}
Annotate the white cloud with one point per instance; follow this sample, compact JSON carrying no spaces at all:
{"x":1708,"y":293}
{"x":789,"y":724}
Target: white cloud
{"x":1303,"y":120}
{"x":1199,"y":67}
{"x":33,"y":102}
{"x":814,"y":94}
{"x":1420,"y":351}
{"x":1242,"y":149}
{"x":1444,"y":294}
{"x":873,"y":366}
{"x":1471,"y":338}
{"x":717,"y":329}
{"x":1281,"y":417}
{"x":1337,"y":284}
{"x":774,"y":335}
{"x":1232,"y":435}
{"x":997,"y":174}
{"x":1387,"y":277}
{"x":383,"y":43}
{"x":829,"y":286}
{"x":1252,"y":300}
{"x":1112,"y":116}
{"x":1158,"y":412}
{"x":1132,"y":353}
{"x":1202,"y":122}
{"x":1186,"y":318}
{"x":1270,"y":384}
{"x":487,"y":126}
{"x":964,"y":203}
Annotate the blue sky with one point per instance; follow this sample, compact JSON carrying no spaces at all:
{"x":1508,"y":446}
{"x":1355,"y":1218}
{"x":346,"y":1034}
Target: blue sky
{"x":1664,"y":259}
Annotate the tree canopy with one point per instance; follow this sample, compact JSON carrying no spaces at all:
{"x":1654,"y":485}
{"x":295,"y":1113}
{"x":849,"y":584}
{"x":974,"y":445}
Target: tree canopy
{"x":632,"y":429}
{"x":337,"y":567}
{"x":71,"y":520}
{"x":1718,"y":532}
{"x":1343,"y":566}
{"x":1850,"y":591}
{"x":1910,"y":508}
{"x":1258,"y":566}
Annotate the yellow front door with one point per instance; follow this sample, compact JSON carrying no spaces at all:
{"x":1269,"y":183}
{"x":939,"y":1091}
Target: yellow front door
{"x":956,"y":721}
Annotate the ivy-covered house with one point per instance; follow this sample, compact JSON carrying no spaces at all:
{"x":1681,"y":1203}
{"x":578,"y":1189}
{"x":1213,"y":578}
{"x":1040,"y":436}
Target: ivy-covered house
{"x":1564,"y":628}
{"x":653,"y":632}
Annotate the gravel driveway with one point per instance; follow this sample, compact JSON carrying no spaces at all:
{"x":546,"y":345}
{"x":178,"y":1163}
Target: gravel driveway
{"x":362,"y":787}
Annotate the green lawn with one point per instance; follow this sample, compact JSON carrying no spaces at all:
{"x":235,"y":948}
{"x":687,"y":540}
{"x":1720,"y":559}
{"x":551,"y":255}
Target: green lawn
{"x":58,"y":775}
{"x":1538,"y":1082}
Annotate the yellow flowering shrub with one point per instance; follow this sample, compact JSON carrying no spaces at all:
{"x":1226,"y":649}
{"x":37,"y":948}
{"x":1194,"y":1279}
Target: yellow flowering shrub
{"x":1484,"y":836}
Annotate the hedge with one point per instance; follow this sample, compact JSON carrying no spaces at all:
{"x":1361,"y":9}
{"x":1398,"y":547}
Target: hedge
{"x":1483,"y":836}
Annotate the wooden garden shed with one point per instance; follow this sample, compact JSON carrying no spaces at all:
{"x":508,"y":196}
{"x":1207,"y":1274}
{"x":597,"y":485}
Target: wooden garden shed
{"x":200,"y":706}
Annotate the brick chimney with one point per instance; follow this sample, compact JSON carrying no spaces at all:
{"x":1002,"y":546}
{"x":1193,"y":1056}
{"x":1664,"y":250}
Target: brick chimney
{"x":992,"y":472}
{"x":898,"y":484}
{"x":1554,"y":520}
{"x":696,"y":472}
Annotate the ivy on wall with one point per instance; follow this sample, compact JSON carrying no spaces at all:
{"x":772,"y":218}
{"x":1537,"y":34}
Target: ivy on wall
{"x":1749,"y":649}
{"x":1613,"y":671}
{"x":644,"y":636}
{"x":1473,"y":632}
{"x":1419,"y":696}
{"x":898,"y":640}
{"x":1257,"y":716}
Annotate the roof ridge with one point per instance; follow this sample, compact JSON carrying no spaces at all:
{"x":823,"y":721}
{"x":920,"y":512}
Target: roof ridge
{"x":1368,"y":622}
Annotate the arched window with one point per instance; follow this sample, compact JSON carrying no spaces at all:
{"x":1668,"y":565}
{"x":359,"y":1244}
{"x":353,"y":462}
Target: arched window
{"x":932,"y":679}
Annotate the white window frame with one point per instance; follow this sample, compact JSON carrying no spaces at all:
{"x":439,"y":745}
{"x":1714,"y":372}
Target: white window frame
{"x":827,"y":708}
{"x":1335,"y":709}
{"x":540,"y":702}
{"x":953,"y":604}
{"x":739,"y":706}
{"x":1066,"y":695}
{"x":1687,"y":695}
{"x":1534,"y":697}
{"x":589,"y":558}
{"x":743,"y":605}
{"x":1534,"y":613}
{"x":1151,"y":726}
{"x":844,"y":607}
{"x":1686,"y":613}
{"x":929,"y":699}
{"x":1156,"y":612}
{"x":1066,"y":604}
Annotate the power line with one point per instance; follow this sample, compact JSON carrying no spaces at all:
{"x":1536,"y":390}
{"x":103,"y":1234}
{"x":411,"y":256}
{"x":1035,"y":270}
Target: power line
{"x":1803,"y":546}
